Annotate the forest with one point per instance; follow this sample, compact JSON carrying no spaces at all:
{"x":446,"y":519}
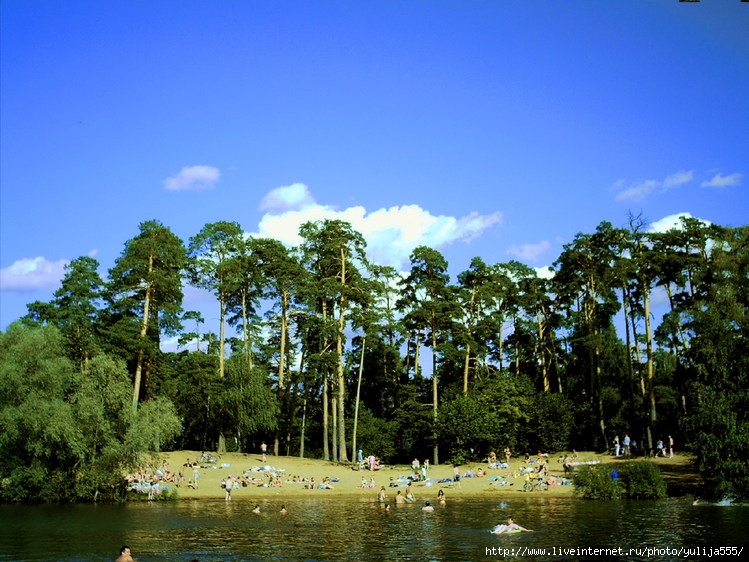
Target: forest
{"x":320,"y":353}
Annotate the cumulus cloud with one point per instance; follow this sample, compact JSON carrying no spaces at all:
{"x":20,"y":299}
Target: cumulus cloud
{"x":719,"y":180}
{"x":391,"y":233}
{"x":529,"y":252}
{"x":286,"y":198}
{"x":639,"y":190}
{"x":672,"y":222}
{"x":545,"y":272}
{"x":29,"y":274}
{"x":193,"y":177}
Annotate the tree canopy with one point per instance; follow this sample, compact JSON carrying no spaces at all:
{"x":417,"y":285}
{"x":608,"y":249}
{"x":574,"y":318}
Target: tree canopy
{"x":329,"y":347}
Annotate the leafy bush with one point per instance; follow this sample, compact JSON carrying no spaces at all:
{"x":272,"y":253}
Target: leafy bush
{"x":68,"y":433}
{"x":375,"y":436}
{"x":642,"y":480}
{"x":463,"y":423}
{"x":551,"y":423}
{"x":596,"y":483}
{"x":634,"y":480}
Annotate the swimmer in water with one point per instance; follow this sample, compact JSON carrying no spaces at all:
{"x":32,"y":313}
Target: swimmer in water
{"x":508,"y":527}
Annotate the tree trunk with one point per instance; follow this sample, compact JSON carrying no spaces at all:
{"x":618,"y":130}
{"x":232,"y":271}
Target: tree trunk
{"x":435,"y":388}
{"x":466,"y":363}
{"x":544,"y":367}
{"x":334,"y":411}
{"x":222,"y":335}
{"x":301,"y":429}
{"x":342,"y":455}
{"x":143,"y":331}
{"x":651,"y":366}
{"x":325,"y":429}
{"x":358,"y":394}
{"x":281,"y":366}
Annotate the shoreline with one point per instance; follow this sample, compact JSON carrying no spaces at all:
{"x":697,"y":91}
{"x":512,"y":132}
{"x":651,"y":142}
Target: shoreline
{"x":349,"y":481}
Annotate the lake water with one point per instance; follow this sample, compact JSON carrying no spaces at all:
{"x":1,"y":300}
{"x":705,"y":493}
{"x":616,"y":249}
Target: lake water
{"x":344,"y":529}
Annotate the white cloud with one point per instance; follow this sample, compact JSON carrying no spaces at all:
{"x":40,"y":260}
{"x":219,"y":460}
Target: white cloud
{"x":545,"y":272}
{"x":638,"y":191}
{"x":286,"y":198}
{"x":678,"y":178}
{"x":391,"y":233}
{"x":719,"y":180}
{"x":29,"y":274}
{"x":193,"y":177}
{"x":641,"y":189}
{"x":529,"y":252}
{"x":671,"y":222}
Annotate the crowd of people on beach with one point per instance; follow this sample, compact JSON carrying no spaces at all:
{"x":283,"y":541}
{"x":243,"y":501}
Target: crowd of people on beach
{"x":532,"y":469}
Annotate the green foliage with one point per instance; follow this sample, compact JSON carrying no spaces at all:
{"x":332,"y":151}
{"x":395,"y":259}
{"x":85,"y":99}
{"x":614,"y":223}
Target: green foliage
{"x":596,"y":483}
{"x":154,"y":427}
{"x":642,"y":480}
{"x":632,"y":480}
{"x":415,"y":424}
{"x":464,"y":423}
{"x":720,"y":434}
{"x":552,"y":421}
{"x":246,"y":403}
{"x":376,"y":436}
{"x":508,"y":398}
{"x":68,"y":434}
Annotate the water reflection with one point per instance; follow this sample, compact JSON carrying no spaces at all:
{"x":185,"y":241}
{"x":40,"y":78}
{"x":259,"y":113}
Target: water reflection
{"x":341,"y":529}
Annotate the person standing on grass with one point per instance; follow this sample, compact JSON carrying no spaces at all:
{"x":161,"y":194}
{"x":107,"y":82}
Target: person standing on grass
{"x":195,"y":475}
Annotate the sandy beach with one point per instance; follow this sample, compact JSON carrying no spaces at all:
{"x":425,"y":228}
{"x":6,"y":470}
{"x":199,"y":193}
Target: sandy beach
{"x":349,"y":481}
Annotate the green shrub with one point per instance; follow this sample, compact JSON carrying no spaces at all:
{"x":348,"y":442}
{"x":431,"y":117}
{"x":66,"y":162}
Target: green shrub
{"x":636,"y":480}
{"x":642,"y":480}
{"x":459,"y":458}
{"x":595,"y":483}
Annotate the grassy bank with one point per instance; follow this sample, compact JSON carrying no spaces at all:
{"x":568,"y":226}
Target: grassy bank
{"x":679,"y":476}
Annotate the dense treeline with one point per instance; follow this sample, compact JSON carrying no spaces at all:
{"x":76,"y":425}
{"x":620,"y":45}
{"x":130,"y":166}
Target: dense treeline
{"x":331,"y":351}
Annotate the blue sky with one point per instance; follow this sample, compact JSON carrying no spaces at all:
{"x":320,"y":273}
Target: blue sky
{"x":494,"y":129}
